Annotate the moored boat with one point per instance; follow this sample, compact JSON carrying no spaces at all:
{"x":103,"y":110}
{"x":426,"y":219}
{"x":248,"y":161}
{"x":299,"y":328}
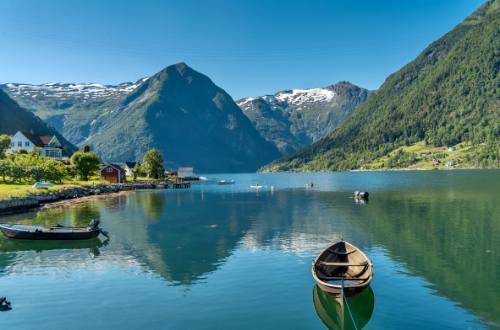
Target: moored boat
{"x":224,"y":182}
{"x":342,"y":265}
{"x":361,"y":195}
{"x":34,"y":232}
{"x":5,"y":305}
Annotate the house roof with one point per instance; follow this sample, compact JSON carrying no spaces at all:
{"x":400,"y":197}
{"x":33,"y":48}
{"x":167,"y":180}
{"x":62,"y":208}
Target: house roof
{"x":46,"y":139}
{"x":35,"y":139}
{"x":116,"y":166}
{"x":131,"y":164}
{"x":38,"y":140}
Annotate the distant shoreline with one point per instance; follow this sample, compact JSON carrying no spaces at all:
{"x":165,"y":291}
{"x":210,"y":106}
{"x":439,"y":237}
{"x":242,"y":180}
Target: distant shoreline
{"x":424,"y":169}
{"x":406,"y":169}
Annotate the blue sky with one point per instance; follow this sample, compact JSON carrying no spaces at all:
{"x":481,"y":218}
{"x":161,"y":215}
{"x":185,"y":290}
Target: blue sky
{"x":247,"y":47}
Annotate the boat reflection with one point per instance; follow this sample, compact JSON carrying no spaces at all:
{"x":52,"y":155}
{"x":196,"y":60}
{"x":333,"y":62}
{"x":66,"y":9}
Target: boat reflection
{"x":15,"y":245}
{"x":331,"y":312}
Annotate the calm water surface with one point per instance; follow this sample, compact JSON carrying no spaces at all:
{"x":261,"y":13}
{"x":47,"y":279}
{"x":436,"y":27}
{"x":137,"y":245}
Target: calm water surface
{"x":226,"y":257}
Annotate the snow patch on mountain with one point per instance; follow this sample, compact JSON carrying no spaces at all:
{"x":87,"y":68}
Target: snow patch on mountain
{"x":244,"y":101}
{"x":294,"y":97}
{"x":312,"y":95}
{"x":89,"y":91}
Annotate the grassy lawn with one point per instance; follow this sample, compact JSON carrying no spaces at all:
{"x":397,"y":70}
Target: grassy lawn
{"x":8,"y":190}
{"x":426,"y":155}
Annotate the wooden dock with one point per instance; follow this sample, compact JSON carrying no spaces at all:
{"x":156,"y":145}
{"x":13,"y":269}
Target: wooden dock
{"x":178,"y":185}
{"x":157,"y":184}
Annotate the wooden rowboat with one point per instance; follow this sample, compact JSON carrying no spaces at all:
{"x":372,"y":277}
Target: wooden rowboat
{"x":342,"y":265}
{"x":20,"y":231}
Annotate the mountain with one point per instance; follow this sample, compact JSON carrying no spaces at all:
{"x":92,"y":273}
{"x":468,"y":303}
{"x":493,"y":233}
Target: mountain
{"x":178,"y":110}
{"x":191,"y":120}
{"x":295,"y":118}
{"x":70,"y":108}
{"x":14,"y":118}
{"x":449,"y":95}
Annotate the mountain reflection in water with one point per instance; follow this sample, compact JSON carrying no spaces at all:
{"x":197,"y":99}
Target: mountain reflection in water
{"x":432,"y":237}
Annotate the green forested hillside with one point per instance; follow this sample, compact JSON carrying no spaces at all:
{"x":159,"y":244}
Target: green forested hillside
{"x":449,"y":94}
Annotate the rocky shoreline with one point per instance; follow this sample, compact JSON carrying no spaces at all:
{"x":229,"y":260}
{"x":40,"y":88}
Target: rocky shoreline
{"x":33,"y":202}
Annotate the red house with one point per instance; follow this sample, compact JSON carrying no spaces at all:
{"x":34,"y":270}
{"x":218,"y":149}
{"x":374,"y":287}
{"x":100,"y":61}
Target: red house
{"x":113,"y":173}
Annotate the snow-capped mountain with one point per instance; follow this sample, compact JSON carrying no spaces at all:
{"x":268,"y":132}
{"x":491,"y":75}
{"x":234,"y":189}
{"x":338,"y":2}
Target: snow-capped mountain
{"x":178,"y":110}
{"x":312,"y":95}
{"x":295,"y":118}
{"x":71,"y":108}
{"x":64,"y":90}
{"x":289,"y":119}
{"x":297,"y":96}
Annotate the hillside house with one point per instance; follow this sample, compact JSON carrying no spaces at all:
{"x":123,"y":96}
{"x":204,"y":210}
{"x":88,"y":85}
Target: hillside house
{"x":129,"y":166}
{"x":44,"y":145}
{"x":112,"y":173}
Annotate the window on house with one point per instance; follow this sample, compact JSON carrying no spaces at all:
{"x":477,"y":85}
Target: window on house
{"x":53,"y":153}
{"x":19,"y":143}
{"x":26,"y":143}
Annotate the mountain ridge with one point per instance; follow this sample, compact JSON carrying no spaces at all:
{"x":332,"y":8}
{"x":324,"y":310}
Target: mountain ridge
{"x":294,"y":118}
{"x":208,"y":131}
{"x":84,"y":111}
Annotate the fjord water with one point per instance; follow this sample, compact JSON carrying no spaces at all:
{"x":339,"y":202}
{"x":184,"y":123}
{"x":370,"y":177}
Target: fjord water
{"x":226,"y":257}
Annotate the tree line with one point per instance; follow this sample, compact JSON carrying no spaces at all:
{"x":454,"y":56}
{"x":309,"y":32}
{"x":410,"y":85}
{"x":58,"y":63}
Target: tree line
{"x":29,"y":166}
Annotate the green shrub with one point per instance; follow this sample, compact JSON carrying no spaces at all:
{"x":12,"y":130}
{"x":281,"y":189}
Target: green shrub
{"x":85,"y":164}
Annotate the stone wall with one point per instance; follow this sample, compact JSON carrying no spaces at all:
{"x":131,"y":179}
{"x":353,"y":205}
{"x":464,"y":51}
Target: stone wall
{"x":20,"y":204}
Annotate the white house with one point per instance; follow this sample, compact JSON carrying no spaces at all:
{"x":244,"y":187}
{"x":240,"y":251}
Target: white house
{"x":185,"y":172}
{"x":45,"y":145}
{"x":129,"y":167}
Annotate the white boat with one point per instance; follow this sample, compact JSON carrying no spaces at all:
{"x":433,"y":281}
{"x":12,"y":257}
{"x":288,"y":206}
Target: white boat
{"x":42,"y":185}
{"x":257,"y":186}
{"x":223,"y":182}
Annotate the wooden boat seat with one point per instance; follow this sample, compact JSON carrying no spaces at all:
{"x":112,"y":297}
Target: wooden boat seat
{"x":344,"y":264}
{"x":341,"y":253}
{"x":331,"y":278}
{"x":326,"y":263}
{"x":362,"y":271}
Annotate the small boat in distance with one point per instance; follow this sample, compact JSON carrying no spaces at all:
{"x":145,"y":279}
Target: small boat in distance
{"x":42,"y":185}
{"x":5,"y":305}
{"x":342,"y":266}
{"x":58,"y":232}
{"x":257,"y":186}
{"x":361,"y":195}
{"x":223,"y":182}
